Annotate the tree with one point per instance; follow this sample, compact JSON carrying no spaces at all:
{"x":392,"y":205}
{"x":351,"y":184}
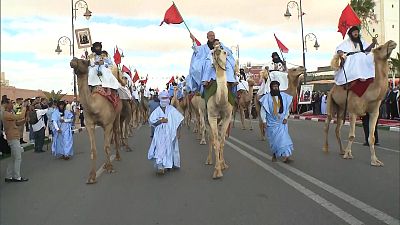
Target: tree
{"x":396,"y":64}
{"x":364,"y":10}
{"x":53,"y":95}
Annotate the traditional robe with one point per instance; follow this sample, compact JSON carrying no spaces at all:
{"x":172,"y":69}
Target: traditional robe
{"x":201,"y":68}
{"x":323,"y":104}
{"x":281,"y":77}
{"x":107,"y":79}
{"x":62,"y":142}
{"x":243,"y":86}
{"x":359,"y":65}
{"x":164,"y":148}
{"x":277,"y":133}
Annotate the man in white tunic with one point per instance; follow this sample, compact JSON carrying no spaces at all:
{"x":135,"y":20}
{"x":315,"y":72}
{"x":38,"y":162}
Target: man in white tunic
{"x":164,"y":148}
{"x":358,"y":62}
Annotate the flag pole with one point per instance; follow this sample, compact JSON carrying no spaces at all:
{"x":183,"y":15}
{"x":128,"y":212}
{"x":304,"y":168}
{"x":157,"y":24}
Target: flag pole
{"x":181,"y":17}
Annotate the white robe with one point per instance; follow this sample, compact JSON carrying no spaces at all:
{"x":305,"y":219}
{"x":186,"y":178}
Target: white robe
{"x":279,"y":76}
{"x":323,"y":105}
{"x":164,"y":148}
{"x":357,"y":66}
{"x":243,"y":85}
{"x":107,"y":79}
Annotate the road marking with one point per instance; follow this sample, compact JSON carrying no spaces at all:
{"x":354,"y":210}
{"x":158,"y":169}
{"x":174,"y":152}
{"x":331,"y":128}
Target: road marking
{"x":313,"y":196}
{"x":383,"y":148}
{"x":101,"y":170}
{"x":347,"y":198}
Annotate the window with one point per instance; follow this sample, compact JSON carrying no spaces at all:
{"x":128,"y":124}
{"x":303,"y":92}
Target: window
{"x":393,"y":26}
{"x":373,"y":30}
{"x":392,"y":6}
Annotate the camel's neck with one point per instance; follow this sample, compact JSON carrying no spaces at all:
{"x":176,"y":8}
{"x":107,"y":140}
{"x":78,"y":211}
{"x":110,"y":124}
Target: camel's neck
{"x":381,"y":72}
{"x":222,"y":89}
{"x":292,"y":87}
{"x":84,"y":92}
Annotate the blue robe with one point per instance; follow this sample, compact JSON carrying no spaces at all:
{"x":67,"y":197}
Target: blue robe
{"x":277,"y":133}
{"x":164,"y":148}
{"x":62,"y":142}
{"x":201,"y":68}
{"x":171,"y":90}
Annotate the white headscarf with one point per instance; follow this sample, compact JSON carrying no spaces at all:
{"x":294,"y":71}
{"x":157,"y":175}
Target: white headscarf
{"x":164,"y":98}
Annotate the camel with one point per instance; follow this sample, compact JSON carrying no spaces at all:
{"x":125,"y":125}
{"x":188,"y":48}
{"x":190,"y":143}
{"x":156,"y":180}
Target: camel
{"x":181,"y":105}
{"x":244,"y":102}
{"x":219,"y":108}
{"x":294,"y":77}
{"x":144,"y":107}
{"x":369,"y":102}
{"x":97,"y":111}
{"x":198,"y":106}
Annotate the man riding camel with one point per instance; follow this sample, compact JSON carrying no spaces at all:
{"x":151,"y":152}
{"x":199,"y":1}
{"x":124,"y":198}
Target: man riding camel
{"x":357,"y":63}
{"x":100,"y":68}
{"x":277,"y":63}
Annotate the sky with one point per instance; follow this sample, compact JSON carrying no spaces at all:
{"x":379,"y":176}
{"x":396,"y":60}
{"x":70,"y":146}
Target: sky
{"x":30,"y":30}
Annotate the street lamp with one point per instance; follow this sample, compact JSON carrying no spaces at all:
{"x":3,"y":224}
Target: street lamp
{"x":311,"y":37}
{"x":78,"y":4}
{"x":64,"y":40}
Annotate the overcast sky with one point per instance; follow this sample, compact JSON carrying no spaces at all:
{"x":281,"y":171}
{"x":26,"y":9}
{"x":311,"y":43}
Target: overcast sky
{"x":30,"y":30}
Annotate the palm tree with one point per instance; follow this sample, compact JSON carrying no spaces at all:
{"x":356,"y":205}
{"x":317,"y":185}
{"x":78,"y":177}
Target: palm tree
{"x":396,"y":64}
{"x":55,"y":96}
{"x":364,"y":9}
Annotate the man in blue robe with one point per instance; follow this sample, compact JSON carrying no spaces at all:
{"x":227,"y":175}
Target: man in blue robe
{"x":201,"y":65}
{"x":62,"y":134}
{"x":164,"y":148}
{"x":274,"y":113}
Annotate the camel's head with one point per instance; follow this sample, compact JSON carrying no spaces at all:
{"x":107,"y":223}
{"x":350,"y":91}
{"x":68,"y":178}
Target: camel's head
{"x":295,"y":73}
{"x":251,"y":82}
{"x":219,"y":56}
{"x":80,"y":66}
{"x":265,"y":73}
{"x":383,"y":52}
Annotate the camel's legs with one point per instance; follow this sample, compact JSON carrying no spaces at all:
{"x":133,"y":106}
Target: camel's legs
{"x":215,"y":141}
{"x":338,"y":131}
{"x":209,"y":160}
{"x":108,"y":130}
{"x":202,"y":128}
{"x":373,"y":118}
{"x":242,"y":117}
{"x":249,"y":110}
{"x":93,"y":152}
{"x":260,"y":122}
{"x":115,"y":129}
{"x":225,"y":124}
{"x":352,"y":135}
{"x":328,"y":119}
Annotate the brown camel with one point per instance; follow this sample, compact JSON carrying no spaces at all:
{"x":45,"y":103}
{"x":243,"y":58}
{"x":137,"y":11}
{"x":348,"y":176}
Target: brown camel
{"x":144,"y":107}
{"x":245,"y":100}
{"x":219,"y":108}
{"x":198,"y":107}
{"x":97,"y":111}
{"x":369,"y":102}
{"x":294,"y":77}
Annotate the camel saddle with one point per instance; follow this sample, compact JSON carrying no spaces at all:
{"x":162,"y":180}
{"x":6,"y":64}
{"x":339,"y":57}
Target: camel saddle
{"x":211,"y":89}
{"x":358,"y":86}
{"x":109,"y":94}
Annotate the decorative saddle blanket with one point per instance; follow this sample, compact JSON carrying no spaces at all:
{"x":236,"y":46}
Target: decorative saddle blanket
{"x":211,"y":89}
{"x":111,"y":96}
{"x":359,"y":87}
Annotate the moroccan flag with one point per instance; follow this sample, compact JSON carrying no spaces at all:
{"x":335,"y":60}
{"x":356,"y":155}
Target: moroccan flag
{"x":172,"y":15}
{"x":144,"y":82}
{"x":126,"y":70}
{"x":136,"y":77}
{"x":348,"y":19}
{"x":117,"y":57}
{"x":171,"y":80}
{"x":281,"y":46}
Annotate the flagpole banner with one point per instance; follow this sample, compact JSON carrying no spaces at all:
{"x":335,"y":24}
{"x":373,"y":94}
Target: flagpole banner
{"x":347,"y":19}
{"x":172,"y":16}
{"x":281,"y":46}
{"x":305,"y":94}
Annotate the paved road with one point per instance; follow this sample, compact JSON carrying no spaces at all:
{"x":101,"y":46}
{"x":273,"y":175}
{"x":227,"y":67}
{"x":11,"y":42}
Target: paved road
{"x":316,"y":189}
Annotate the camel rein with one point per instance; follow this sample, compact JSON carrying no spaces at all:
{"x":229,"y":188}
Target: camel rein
{"x":217,"y":60}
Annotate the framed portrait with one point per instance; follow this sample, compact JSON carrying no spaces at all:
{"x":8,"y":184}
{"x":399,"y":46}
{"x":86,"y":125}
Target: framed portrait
{"x":83,"y":38}
{"x":305,"y":96}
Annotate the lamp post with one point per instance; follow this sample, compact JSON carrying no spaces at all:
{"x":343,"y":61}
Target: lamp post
{"x":64,"y":40}
{"x":311,"y":37}
{"x":78,"y":4}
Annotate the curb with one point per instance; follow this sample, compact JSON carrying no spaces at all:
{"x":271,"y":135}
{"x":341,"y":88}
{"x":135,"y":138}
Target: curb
{"x":30,"y":146}
{"x":347,"y":123}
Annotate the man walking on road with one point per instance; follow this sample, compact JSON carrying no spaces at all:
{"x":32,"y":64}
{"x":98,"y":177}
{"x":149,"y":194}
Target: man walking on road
{"x":164,"y":148}
{"x":11,"y":123}
{"x":274,"y":113}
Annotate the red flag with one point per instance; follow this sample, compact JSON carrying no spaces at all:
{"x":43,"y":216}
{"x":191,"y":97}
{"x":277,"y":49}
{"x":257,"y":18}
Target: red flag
{"x":136,"y":77}
{"x":281,"y":46}
{"x":144,"y":82}
{"x":197,"y":41}
{"x":172,"y":15}
{"x":171,"y":80}
{"x":348,"y":19}
{"x":126,"y":70}
{"x":117,"y":57}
